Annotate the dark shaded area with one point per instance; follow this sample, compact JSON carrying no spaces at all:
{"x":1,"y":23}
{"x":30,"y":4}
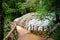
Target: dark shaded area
{"x":1,"y":22}
{"x":17,"y":15}
{"x":56,"y":4}
{"x":27,"y":10}
{"x":57,"y":16}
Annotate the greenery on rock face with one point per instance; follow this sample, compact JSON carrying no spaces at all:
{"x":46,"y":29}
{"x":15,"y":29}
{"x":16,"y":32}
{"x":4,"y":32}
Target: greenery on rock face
{"x":16,"y":8}
{"x":44,"y":8}
{"x":21,"y":7}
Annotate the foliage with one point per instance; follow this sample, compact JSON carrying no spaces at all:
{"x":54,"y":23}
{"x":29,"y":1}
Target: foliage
{"x":10,"y":12}
{"x":21,"y":7}
{"x":17,"y":8}
{"x":56,"y":33}
{"x":44,"y":8}
{"x":7,"y":9}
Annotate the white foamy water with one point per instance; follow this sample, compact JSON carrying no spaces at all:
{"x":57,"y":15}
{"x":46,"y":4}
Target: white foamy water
{"x":35,"y":24}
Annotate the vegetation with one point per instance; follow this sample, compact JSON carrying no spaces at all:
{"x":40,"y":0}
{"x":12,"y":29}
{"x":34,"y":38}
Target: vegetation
{"x":16,"y":8}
